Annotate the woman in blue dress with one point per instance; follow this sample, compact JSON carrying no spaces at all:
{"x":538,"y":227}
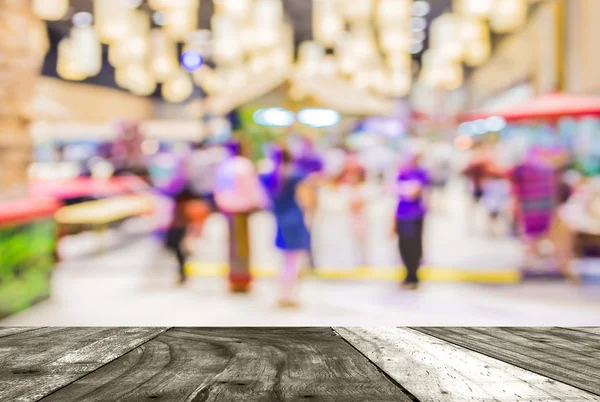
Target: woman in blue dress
{"x":290,"y":197}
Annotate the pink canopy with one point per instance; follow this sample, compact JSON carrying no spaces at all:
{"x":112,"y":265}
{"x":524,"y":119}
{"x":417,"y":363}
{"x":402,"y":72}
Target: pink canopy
{"x":550,"y":106}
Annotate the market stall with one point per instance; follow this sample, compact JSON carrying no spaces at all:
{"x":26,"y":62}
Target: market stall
{"x":95,"y":226}
{"x":574,"y":230}
{"x":27,"y":252}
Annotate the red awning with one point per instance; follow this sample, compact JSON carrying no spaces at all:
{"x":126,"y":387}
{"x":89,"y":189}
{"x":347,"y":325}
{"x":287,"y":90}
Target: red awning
{"x":544,"y":107}
{"x":25,"y":210}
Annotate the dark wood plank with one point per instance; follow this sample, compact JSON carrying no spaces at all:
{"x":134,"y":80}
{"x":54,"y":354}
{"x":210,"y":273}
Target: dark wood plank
{"x":509,"y":345}
{"x":237,"y":364}
{"x":8,"y":331}
{"x":35,"y":363}
{"x":435,"y":370}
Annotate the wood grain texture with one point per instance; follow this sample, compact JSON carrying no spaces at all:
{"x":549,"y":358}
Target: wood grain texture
{"x":570,"y":356}
{"x":237,"y":364}
{"x":35,"y":363}
{"x":435,"y":370}
{"x":7,"y":331}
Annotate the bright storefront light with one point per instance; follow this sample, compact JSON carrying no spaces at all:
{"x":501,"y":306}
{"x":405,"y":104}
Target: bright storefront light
{"x":274,"y":117}
{"x":319,"y":118}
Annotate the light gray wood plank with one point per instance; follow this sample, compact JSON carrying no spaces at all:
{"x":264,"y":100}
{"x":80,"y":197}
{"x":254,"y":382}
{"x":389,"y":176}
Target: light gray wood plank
{"x":237,"y":364}
{"x":435,"y":370}
{"x":539,"y":358}
{"x":35,"y":363}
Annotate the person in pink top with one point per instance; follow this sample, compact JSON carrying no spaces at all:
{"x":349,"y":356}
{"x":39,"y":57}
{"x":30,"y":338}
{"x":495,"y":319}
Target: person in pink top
{"x":238,"y":194}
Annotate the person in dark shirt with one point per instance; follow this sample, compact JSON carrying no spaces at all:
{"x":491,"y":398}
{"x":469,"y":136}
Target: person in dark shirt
{"x":178,"y":229}
{"x":411,"y":184}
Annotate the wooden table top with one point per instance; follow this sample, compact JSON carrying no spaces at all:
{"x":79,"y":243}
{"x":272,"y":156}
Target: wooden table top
{"x":296,"y":364}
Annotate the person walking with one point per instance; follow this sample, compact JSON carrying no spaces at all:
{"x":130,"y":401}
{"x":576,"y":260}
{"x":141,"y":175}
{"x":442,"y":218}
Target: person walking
{"x":238,"y":194}
{"x":178,"y":230}
{"x":290,"y":196}
{"x":410,"y":214}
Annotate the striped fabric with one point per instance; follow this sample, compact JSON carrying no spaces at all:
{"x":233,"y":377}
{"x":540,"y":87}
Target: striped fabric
{"x":535,"y":189}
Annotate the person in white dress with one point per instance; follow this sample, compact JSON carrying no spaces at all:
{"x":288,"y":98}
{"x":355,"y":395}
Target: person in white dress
{"x":334,"y":246}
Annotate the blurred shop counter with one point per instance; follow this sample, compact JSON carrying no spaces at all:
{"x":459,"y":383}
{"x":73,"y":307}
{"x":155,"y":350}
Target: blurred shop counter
{"x":27,"y":252}
{"x":95,"y":226}
{"x":86,"y":187}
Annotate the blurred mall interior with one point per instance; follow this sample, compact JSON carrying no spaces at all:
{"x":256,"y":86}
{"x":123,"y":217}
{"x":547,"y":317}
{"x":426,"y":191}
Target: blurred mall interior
{"x":299,"y":162}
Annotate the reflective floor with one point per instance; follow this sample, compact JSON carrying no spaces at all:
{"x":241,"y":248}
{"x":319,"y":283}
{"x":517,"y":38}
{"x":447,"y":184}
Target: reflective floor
{"x":135,"y":286}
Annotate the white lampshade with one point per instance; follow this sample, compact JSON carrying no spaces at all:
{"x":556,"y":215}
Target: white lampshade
{"x":228,"y":50}
{"x":310,"y":52}
{"x":51,"y":10}
{"x":508,"y":15}
{"x":281,"y":59}
{"x":399,"y":60}
{"x":113,"y":20}
{"x":227,"y":45}
{"x":161,"y":5}
{"x":328,"y":23}
{"x":178,"y":87}
{"x":477,"y":53}
{"x":234,"y":77}
{"x":474,"y":8}
{"x":453,"y":77}
{"x":268,"y":13}
{"x":363,"y":42}
{"x":207,"y":79}
{"x":136,"y":78}
{"x":399,"y":82}
{"x":447,"y":76}
{"x":344,"y":51}
{"x":163,"y":55}
{"x":395,"y":40}
{"x":358,"y":10}
{"x":238,"y":10}
{"x":179,"y":22}
{"x":328,"y":66}
{"x":267,"y":36}
{"x":67,"y":66}
{"x":474,"y":29}
{"x":136,"y":46}
{"x":373,"y":79}
{"x":446,"y":35}
{"x":87,"y":49}
{"x":393,"y":12}
{"x":133,"y":49}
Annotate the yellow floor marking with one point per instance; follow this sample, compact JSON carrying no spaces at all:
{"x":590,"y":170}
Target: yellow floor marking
{"x":433,"y":274}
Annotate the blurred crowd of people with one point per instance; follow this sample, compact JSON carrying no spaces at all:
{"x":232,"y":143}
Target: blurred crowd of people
{"x":316,"y":196}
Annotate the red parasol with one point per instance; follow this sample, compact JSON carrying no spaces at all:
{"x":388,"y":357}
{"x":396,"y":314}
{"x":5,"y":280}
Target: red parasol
{"x":549,"y":106}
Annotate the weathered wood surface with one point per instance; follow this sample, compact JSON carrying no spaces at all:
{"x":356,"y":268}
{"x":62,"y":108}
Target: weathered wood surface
{"x":435,"y":370}
{"x":237,"y":364}
{"x":6,"y":331}
{"x":35,"y":363}
{"x":569,"y":355}
{"x":293,"y":364}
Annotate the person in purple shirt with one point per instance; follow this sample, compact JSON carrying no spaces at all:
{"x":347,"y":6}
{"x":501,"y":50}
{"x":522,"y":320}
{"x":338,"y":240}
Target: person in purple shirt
{"x":410,"y":186}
